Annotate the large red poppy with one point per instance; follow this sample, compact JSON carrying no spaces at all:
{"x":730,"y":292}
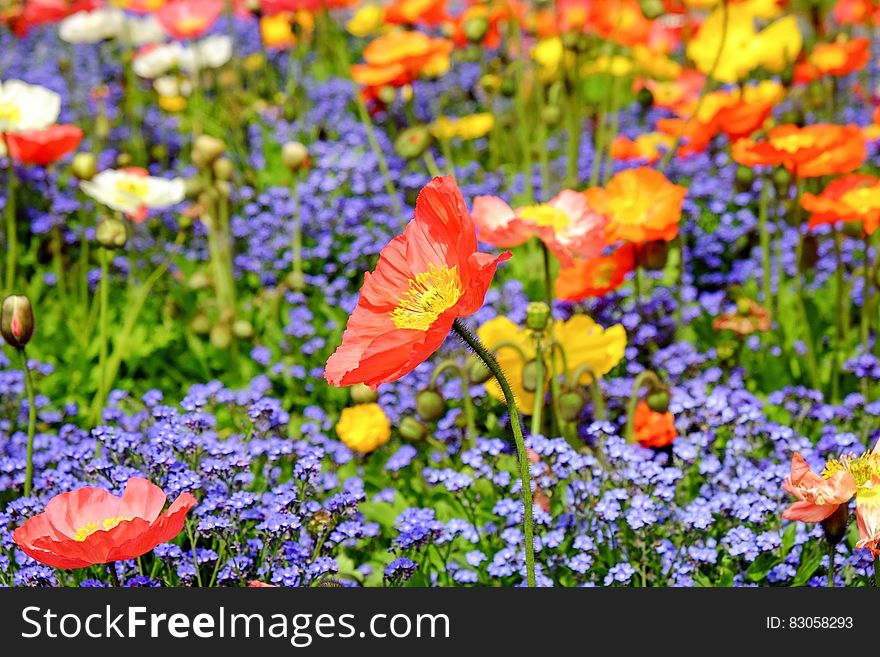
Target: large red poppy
{"x":43,"y":147}
{"x":91,"y":526}
{"x":425,"y":279}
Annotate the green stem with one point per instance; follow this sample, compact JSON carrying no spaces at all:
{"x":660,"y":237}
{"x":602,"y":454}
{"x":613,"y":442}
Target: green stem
{"x":765,"y":245}
{"x":114,"y":576}
{"x":11,"y":234}
{"x":103,"y":332}
{"x":840,"y":311}
{"x":645,"y":378}
{"x":596,"y":395}
{"x":297,"y":231}
{"x":812,"y":363}
{"x":831,"y":551}
{"x":525,"y":477}
{"x":559,"y":425}
{"x":538,"y":406}
{"x":467,"y":401}
{"x":866,"y":295}
{"x":877,"y":571}
{"x":32,"y":422}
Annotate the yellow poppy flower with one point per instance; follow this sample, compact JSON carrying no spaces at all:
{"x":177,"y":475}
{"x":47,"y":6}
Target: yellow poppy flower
{"x":364,"y":427}
{"x":583,"y":341}
{"x":368,"y":20}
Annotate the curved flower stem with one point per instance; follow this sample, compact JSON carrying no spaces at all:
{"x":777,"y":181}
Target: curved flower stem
{"x":525,"y":477}
{"x":595,"y":390}
{"x":32,"y":422}
{"x":103,"y":334}
{"x":646,"y":377}
{"x":297,"y":242}
{"x":11,"y":235}
{"x":466,"y":401}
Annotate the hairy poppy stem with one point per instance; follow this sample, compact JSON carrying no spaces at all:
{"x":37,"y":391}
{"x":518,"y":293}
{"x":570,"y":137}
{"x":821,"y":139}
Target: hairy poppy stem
{"x":32,"y":422}
{"x":525,"y":477}
{"x":765,"y":246}
{"x":114,"y":576}
{"x":11,"y":236}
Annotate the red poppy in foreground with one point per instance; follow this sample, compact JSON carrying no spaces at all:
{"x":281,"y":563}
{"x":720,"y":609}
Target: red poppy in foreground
{"x":90,"y":526}
{"x":425,"y":279}
{"x":43,"y":147}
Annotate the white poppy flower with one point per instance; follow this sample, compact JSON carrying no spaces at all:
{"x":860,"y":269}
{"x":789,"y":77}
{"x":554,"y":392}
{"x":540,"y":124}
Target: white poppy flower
{"x":143,"y":31}
{"x":92,"y":26}
{"x":157,"y":61}
{"x":211,"y":52}
{"x":27,"y":107}
{"x":134,"y":192}
{"x":172,"y":85}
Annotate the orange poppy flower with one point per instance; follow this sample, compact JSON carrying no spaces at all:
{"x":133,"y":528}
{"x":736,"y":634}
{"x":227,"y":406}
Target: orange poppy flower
{"x":398,"y":58}
{"x":566,"y":224}
{"x":653,"y":429}
{"x":496,"y":14}
{"x":595,"y":277}
{"x":645,"y":148}
{"x":853,"y":198}
{"x":822,"y":149}
{"x":429,"y":13}
{"x":854,"y":12}
{"x":91,"y":526}
{"x":641,"y":205}
{"x":838,"y":58}
{"x":424,"y":280}
{"x":620,"y":22}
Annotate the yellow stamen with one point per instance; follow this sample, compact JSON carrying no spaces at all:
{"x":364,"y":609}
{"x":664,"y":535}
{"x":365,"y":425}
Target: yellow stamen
{"x":429,"y":295}
{"x":545,"y":215}
{"x":92,"y":526}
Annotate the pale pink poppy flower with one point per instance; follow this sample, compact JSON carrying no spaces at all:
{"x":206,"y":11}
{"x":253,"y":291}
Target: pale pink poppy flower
{"x":566,"y":224}
{"x":817,"y":497}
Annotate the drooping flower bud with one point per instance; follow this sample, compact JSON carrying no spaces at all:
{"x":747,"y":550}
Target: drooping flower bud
{"x":221,"y":335}
{"x":571,"y":403}
{"x":530,"y":376}
{"x":658,"y":401}
{"x":413,"y":142}
{"x":537,"y":315}
{"x":652,"y":9}
{"x":111,"y":233}
{"x":653,"y":255}
{"x":17,"y":321}
{"x":294,"y":155}
{"x":836,"y":524}
{"x":206,"y":150}
{"x":475,"y":29}
{"x":411,"y":429}
{"x":363,"y":394}
{"x":223,"y":169}
{"x":551,"y":114}
{"x":478,"y":372}
{"x":242,"y":329}
{"x":430,"y":405}
{"x":645,"y":98}
{"x":745,"y":176}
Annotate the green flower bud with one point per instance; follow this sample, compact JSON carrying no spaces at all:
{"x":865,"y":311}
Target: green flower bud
{"x":537,"y":315}
{"x":17,"y":321}
{"x":551,"y":114}
{"x":242,"y":329}
{"x":478,"y":372}
{"x":853,"y":229}
{"x":223,"y":169}
{"x":743,"y":306}
{"x":221,"y":335}
{"x":745,"y":176}
{"x":658,"y":401}
{"x":111,"y":233}
{"x":782,"y":179}
{"x":571,"y":403}
{"x":387,"y":94}
{"x":363,"y":394}
{"x":411,"y":429}
{"x":200,"y":280}
{"x":430,"y":405}
{"x":206,"y":150}
{"x":295,"y":281}
{"x":123,"y":160}
{"x":84,"y":166}
{"x":475,"y":29}
{"x":652,"y":9}
{"x":508,"y":87}
{"x":530,"y":376}
{"x":645,"y":98}
{"x":192,"y":188}
{"x":413,"y":142}
{"x":200,"y":324}
{"x":294,"y":155}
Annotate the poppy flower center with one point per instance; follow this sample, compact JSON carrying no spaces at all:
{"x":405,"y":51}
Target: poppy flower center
{"x":828,"y":58}
{"x":864,"y":468}
{"x":864,"y":199}
{"x":602,"y":274}
{"x":545,"y":215}
{"x":133,"y":186}
{"x":629,"y":209}
{"x":10,"y":112}
{"x":430,"y":294}
{"x":793,"y":143}
{"x":93,"y":525}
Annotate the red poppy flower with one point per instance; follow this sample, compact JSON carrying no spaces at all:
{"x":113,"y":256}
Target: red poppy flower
{"x":653,"y":429}
{"x":425,"y":279}
{"x":822,"y":149}
{"x":595,"y":277}
{"x":89,"y":526}
{"x":187,"y":19}
{"x":42,"y":12}
{"x":43,"y":147}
